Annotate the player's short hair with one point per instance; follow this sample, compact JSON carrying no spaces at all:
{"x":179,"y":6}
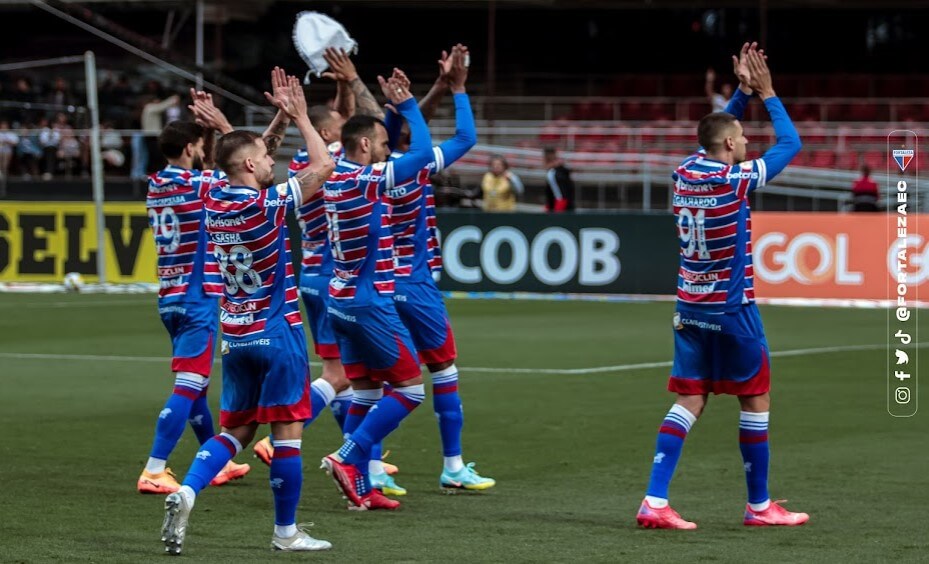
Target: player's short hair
{"x":320,"y":115}
{"x":229,"y":145}
{"x":176,"y":135}
{"x":549,"y":153}
{"x":711,"y":129}
{"x":865,"y":171}
{"x":356,"y":127}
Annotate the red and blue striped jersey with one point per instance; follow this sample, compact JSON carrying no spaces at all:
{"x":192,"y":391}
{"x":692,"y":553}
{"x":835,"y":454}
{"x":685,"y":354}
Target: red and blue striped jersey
{"x":358,"y":217}
{"x":317,"y":260}
{"x":249,"y":231}
{"x":412,"y":220}
{"x":715,"y":231}
{"x":186,"y":266}
{"x":413,"y":223}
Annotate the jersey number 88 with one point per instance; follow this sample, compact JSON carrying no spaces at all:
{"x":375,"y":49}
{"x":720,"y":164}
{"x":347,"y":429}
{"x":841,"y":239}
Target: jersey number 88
{"x":236,"y":266}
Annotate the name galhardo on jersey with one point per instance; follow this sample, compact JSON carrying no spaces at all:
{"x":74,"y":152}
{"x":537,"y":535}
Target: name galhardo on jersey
{"x":695,"y":201}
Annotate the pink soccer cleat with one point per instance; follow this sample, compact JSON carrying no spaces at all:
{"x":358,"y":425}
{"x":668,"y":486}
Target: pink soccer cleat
{"x":664,"y":518}
{"x":774,"y":515}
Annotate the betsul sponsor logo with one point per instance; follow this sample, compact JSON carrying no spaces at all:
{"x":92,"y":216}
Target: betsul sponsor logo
{"x":590,"y":256}
{"x":807,"y":258}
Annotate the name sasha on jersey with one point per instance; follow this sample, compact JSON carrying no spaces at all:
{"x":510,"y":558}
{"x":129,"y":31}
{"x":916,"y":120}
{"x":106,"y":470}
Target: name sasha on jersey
{"x":225,"y":237}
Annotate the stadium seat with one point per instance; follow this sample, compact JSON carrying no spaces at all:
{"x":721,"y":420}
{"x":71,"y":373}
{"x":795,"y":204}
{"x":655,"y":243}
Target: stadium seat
{"x":822,"y":159}
{"x":877,"y":160}
{"x":847,"y":161}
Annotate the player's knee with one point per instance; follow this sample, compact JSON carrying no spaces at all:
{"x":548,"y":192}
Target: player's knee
{"x":433,"y":368}
{"x":334,"y":373}
{"x":243,"y":433}
{"x":418,"y":381}
{"x":756,"y":404}
{"x":692,"y":403}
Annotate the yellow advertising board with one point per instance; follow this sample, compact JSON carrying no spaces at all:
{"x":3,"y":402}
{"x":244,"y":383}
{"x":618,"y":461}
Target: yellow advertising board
{"x":42,"y":241}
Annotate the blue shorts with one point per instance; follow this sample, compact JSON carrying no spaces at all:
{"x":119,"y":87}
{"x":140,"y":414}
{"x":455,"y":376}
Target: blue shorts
{"x":373,"y":341}
{"x":192,"y":326}
{"x":315,"y":293}
{"x":422,"y":311}
{"x":721,"y":353}
{"x":266,"y":378}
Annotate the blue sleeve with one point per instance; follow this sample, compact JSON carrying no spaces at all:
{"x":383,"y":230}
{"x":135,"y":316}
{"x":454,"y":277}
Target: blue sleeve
{"x":737,"y":103}
{"x":394,"y":124}
{"x":788,"y":140}
{"x":465,"y":134}
{"x":420,"y":153}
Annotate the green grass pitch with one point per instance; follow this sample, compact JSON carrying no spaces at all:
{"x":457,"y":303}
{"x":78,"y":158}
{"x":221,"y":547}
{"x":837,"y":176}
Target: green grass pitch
{"x":571,"y":453}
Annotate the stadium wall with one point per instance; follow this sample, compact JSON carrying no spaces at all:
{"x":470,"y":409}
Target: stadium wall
{"x":808,"y":255}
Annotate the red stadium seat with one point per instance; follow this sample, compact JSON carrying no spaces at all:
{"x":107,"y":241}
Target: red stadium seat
{"x":847,"y":161}
{"x":822,"y":159}
{"x":877,"y":160}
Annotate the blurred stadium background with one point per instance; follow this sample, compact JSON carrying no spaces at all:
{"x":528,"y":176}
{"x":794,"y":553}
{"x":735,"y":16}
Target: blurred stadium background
{"x":617,"y":87}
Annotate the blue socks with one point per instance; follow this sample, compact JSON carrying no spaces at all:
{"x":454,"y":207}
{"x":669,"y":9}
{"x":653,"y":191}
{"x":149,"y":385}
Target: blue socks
{"x":379,"y":423}
{"x":340,"y":405}
{"x":321,"y":395}
{"x":753,"y":442}
{"x":210,"y":460}
{"x":173,"y":417}
{"x":671,"y":435}
{"x":201,"y":420}
{"x":286,"y":480}
{"x":447,"y":405}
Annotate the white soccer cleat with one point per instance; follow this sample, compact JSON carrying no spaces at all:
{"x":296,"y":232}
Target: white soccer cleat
{"x":175,"y":524}
{"x":301,"y":542}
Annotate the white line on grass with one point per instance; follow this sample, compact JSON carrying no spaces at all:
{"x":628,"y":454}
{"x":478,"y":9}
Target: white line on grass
{"x":561,"y":371}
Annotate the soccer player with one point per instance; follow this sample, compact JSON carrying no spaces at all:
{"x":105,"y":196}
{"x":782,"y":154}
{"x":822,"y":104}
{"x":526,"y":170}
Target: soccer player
{"x":265,"y":367}
{"x":417,"y":298}
{"x":719,"y":341}
{"x":332,"y":388}
{"x":374,"y":345}
{"x":190,"y":285}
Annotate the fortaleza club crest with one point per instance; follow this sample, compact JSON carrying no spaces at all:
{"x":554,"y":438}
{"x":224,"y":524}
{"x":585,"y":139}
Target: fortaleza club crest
{"x":903,"y":157}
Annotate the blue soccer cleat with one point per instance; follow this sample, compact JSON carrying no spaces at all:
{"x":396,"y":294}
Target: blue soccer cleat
{"x":465,"y":479}
{"x":386,"y":484}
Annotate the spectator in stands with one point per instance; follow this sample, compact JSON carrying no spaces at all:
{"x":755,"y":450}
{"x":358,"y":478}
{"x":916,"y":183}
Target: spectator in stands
{"x":865,"y":193}
{"x":152,"y":124}
{"x":500,"y":186}
{"x":559,"y":196}
{"x":28,"y":152}
{"x":8,"y":142}
{"x":22,"y":93}
{"x":49,"y":140}
{"x":718,"y":100}
{"x":61,"y":94}
{"x":69,"y":148}
{"x":111,"y":144}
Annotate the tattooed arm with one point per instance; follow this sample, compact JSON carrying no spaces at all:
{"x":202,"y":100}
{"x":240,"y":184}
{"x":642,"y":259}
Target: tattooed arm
{"x":274,"y":135}
{"x":343,"y":69}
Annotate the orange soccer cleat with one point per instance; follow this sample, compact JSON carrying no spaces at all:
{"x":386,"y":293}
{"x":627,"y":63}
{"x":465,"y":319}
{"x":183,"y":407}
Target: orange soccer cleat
{"x":774,"y":515}
{"x":264,"y":450}
{"x":161,"y":483}
{"x":231,"y":471}
{"x":664,"y":518}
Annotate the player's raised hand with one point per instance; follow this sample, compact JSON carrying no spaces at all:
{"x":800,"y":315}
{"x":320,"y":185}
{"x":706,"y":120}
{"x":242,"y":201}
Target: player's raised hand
{"x":341,"y":67}
{"x":280,"y":96}
{"x":402,"y":78}
{"x":740,"y":63}
{"x":206,"y":113}
{"x":394,"y":90}
{"x":458,"y":70}
{"x":298,"y":102}
{"x":761,"y":80}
